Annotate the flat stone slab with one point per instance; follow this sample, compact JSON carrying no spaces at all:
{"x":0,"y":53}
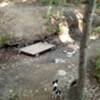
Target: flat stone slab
{"x":37,"y":48}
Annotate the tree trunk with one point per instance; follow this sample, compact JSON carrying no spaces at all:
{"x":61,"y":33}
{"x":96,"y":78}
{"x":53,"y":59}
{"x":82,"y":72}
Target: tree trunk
{"x":87,"y":22}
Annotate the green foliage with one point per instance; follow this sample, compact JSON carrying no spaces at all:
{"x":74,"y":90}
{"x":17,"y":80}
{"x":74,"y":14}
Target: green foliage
{"x":97,"y":69}
{"x":98,"y":4}
{"x":13,"y":95}
{"x":54,"y":2}
{"x":98,"y":63}
{"x":97,"y":30}
{"x":52,"y":18}
{"x":47,"y":16}
{"x":5,"y":38}
{"x":85,"y":96}
{"x":49,"y":13}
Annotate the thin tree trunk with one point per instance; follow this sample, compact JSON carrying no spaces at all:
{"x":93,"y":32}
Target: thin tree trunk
{"x":88,"y":17}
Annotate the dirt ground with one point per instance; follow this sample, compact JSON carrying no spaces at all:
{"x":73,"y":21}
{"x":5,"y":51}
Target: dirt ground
{"x":29,"y":78}
{"x":24,"y":77}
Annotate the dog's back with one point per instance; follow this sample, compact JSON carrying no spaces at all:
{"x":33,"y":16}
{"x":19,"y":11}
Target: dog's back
{"x":56,"y":90}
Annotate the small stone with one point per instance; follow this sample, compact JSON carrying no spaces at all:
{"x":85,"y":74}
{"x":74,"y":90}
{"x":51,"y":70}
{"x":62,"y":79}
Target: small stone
{"x":59,"y":60}
{"x":61,"y":72}
{"x":45,"y":89}
{"x":31,"y":91}
{"x":10,"y":91}
{"x":36,"y":91}
{"x":65,"y":51}
{"x":68,"y":55}
{"x":16,"y":76}
{"x":93,"y":37}
{"x":3,"y":68}
{"x":69,"y":66}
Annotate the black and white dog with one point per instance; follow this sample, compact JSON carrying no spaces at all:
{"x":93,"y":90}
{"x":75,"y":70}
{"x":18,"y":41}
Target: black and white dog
{"x":56,"y":89}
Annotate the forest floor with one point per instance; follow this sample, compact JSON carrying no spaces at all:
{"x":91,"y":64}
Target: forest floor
{"x":30,"y":78}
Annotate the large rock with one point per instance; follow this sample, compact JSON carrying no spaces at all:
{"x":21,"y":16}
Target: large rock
{"x":22,"y":22}
{"x":26,"y":22}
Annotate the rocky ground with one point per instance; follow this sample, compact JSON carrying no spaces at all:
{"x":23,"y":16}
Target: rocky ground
{"x":31,"y":77}
{"x":24,"y":77}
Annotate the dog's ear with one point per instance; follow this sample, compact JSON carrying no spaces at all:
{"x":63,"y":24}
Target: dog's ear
{"x":55,"y":81}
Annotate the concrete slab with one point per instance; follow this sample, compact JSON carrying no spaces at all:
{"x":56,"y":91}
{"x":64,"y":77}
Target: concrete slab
{"x":37,"y":48}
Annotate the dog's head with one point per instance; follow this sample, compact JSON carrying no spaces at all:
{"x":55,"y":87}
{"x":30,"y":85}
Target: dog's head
{"x":55,"y":81}
{"x":56,"y":89}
